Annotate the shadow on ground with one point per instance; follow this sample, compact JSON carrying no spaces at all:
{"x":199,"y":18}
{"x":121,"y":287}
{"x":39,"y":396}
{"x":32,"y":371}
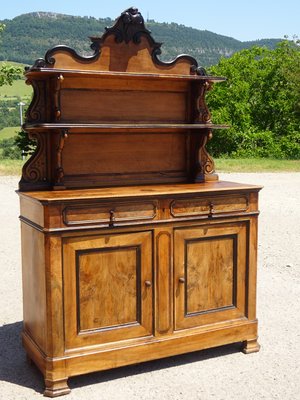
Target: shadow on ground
{"x":15,"y":369}
{"x":13,"y":365}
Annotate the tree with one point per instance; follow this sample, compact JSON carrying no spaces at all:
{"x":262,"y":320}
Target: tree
{"x":8,"y":72}
{"x":260,"y":101}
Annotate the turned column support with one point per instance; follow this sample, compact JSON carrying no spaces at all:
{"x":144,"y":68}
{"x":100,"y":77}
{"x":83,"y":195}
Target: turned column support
{"x":59,"y":179}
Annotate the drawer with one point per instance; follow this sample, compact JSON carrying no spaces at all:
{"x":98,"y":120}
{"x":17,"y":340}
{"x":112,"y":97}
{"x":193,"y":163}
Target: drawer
{"x":208,"y":206}
{"x":109,"y":214}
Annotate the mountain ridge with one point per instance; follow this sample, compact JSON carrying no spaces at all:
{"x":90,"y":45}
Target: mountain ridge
{"x":28,"y":36}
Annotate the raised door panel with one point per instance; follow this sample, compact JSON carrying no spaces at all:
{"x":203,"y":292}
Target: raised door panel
{"x":107,"y":288}
{"x":210,"y":274}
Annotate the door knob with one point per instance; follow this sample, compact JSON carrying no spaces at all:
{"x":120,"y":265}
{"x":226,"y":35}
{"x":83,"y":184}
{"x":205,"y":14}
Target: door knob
{"x":182,"y":280}
{"x":148,"y":283}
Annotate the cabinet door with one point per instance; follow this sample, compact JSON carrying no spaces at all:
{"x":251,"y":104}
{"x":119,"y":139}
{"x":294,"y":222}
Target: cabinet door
{"x":107,"y":288}
{"x":210,"y":274}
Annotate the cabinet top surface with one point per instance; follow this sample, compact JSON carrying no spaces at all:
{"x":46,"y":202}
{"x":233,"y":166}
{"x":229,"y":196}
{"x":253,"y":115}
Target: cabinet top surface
{"x":140,"y":191}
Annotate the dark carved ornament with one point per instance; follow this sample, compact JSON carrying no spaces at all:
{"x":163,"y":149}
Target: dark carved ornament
{"x":128,"y":27}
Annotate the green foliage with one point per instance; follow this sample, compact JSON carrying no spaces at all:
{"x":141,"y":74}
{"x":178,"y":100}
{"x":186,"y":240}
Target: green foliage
{"x":8,"y":73}
{"x":9,"y":113}
{"x":27,"y":37}
{"x":8,"y":132}
{"x":24,"y":144}
{"x":9,"y":149}
{"x":260,"y":101}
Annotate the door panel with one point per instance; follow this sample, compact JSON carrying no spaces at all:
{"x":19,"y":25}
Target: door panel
{"x":119,"y":272}
{"x":210,"y":274}
{"x":107,"y":288}
{"x":217,"y":272}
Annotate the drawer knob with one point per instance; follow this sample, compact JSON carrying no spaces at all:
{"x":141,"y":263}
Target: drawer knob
{"x":181,"y":280}
{"x":211,"y":209}
{"x":111,"y":218}
{"x":148,"y":283}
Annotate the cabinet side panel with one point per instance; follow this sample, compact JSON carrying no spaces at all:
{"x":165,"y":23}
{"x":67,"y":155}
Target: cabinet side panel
{"x":32,"y":210}
{"x":34,"y":285}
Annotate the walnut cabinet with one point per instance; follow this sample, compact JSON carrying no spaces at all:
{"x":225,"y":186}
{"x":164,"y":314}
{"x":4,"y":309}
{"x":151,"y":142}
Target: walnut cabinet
{"x":132,"y":249}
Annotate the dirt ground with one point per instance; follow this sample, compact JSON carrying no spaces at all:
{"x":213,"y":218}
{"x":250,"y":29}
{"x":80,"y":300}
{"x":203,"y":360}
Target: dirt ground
{"x":221,"y":373}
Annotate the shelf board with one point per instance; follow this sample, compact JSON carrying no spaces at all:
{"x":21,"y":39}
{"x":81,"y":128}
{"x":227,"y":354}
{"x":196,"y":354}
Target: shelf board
{"x":124,"y":75}
{"x":141,"y":191}
{"x":108,"y":127}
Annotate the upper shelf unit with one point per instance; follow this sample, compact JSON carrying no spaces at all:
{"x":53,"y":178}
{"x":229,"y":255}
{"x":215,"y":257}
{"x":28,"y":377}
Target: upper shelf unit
{"x":119,"y":117}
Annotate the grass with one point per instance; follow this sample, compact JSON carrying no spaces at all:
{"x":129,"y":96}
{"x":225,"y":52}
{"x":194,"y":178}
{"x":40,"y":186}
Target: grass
{"x":13,"y":167}
{"x":256,"y":165}
{"x":9,"y":132}
{"x":15,"y":63}
{"x":18,"y":90}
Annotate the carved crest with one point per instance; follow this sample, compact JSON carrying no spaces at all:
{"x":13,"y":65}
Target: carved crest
{"x":128,"y":27}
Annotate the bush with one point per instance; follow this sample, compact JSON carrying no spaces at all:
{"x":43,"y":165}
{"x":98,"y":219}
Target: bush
{"x":260,"y":101}
{"x":290,"y":146}
{"x":25,"y":145}
{"x":259,"y":145}
{"x":10,"y":150}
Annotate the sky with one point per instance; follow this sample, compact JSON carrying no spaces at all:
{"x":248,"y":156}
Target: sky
{"x":242,"y":20}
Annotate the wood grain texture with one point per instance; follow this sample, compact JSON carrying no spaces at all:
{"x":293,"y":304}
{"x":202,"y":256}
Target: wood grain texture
{"x":164,"y":280}
{"x":105,"y":285}
{"x":129,"y":106}
{"x":34,"y":285}
{"x":101,"y":274}
{"x":142,"y":191}
{"x":132,"y":250}
{"x":210,"y":274}
{"x":125,"y":57}
{"x":109,"y":213}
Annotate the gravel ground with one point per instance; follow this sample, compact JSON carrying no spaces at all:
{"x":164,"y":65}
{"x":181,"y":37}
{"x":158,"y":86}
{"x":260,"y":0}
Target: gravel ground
{"x":222,"y":373}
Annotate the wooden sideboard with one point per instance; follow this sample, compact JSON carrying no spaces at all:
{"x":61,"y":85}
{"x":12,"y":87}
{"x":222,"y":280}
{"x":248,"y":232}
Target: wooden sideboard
{"x":132,"y":249}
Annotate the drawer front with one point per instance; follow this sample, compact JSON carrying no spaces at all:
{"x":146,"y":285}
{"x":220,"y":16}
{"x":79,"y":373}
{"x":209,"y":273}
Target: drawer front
{"x":109,"y":214}
{"x":208,"y":206}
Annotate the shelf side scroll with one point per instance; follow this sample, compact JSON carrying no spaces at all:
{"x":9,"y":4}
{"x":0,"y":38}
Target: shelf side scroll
{"x":206,"y":162}
{"x":37,"y":109}
{"x":34,"y":172}
{"x":205,"y":166}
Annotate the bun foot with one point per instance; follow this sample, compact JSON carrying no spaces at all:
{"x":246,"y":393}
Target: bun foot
{"x":56,"y":388}
{"x":250,"y":346}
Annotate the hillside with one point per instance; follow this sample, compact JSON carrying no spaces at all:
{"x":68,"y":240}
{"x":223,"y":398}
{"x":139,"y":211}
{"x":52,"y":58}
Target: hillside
{"x":28,"y":36}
